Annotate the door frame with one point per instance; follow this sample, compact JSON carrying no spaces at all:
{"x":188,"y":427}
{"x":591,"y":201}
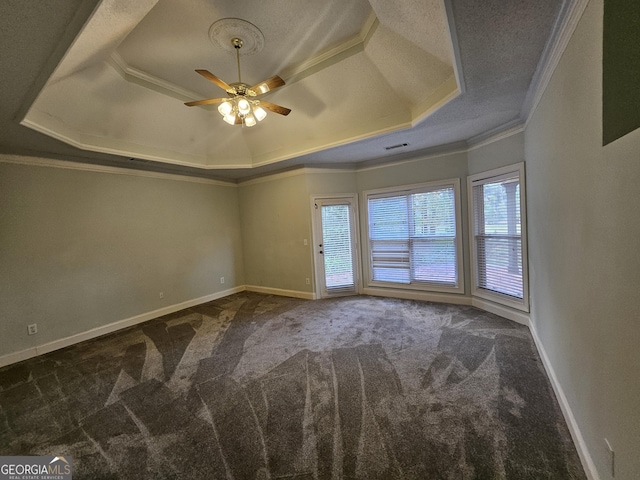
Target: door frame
{"x":316,"y":234}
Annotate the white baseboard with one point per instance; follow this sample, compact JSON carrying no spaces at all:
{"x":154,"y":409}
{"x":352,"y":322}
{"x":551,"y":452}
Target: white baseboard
{"x":506,"y":312}
{"x":110,"y":328}
{"x":520,"y":317}
{"x":455,"y":299}
{"x":31,"y":352}
{"x":578,"y":440}
{"x":16,"y":357}
{"x":281,"y":292}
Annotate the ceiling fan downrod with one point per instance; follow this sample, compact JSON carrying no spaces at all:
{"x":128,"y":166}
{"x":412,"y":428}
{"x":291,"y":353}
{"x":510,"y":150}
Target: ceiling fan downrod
{"x":237,"y":44}
{"x":241,"y":107}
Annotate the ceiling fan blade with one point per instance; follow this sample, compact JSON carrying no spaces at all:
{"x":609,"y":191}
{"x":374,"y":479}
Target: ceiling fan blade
{"x":207,"y":101}
{"x":275,"y":108}
{"x":221,"y":83}
{"x":268,"y":84}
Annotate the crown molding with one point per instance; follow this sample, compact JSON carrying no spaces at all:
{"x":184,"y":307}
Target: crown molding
{"x":349,"y":47}
{"x":405,"y":158}
{"x":140,"y":77}
{"x":54,"y":128}
{"x":447,"y":91}
{"x":270,"y":177}
{"x":501,"y":132}
{"x":369,"y":28}
{"x":83,"y":14}
{"x":414,"y":156}
{"x":455,"y":47}
{"x":566,"y":23}
{"x":87,"y":167}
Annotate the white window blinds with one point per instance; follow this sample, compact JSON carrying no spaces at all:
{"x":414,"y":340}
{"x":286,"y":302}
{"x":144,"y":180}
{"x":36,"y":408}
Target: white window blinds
{"x":336,"y":241}
{"x":498,"y":235}
{"x":412,"y":237}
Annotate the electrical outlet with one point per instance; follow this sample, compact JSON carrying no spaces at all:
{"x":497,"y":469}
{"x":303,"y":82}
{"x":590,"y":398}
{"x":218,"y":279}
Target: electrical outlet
{"x":306,"y":242}
{"x":32,"y":329}
{"x":221,"y":279}
{"x":308,"y":282}
{"x":612,"y":458}
{"x":161,"y":294}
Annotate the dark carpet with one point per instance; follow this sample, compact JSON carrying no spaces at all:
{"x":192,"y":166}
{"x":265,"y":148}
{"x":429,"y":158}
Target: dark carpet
{"x":262,"y":387}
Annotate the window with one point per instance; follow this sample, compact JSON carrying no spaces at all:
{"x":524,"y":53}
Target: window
{"x":414,"y":237}
{"x":498,"y":250}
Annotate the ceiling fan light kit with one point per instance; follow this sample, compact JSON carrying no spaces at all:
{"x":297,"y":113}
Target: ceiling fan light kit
{"x":240,"y":108}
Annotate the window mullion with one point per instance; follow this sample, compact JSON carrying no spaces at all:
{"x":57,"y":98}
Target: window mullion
{"x":479,"y":229}
{"x":411,"y":231}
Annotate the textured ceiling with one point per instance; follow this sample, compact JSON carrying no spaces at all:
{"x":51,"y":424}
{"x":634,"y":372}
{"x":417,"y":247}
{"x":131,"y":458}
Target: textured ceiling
{"x":172,"y":39}
{"x":360,"y":76}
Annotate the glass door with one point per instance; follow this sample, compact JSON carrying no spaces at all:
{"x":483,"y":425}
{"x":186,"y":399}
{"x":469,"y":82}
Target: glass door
{"x":335,"y":238}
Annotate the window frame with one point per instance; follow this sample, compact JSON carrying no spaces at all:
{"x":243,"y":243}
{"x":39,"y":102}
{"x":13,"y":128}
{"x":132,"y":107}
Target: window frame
{"x":484,"y":178}
{"x":458,"y":288}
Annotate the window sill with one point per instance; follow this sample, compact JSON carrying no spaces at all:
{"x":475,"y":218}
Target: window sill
{"x":500,"y":299}
{"x":419,"y":287}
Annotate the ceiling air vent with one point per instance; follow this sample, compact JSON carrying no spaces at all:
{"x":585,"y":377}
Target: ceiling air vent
{"x":400,"y":145}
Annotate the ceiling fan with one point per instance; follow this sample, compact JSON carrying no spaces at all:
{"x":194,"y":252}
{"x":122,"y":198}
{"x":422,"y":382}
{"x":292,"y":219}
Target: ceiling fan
{"x":242,"y":106}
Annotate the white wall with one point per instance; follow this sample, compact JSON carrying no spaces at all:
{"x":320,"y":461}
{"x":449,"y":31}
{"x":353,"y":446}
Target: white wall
{"x":500,"y":153}
{"x":332,"y":182}
{"x":276,"y":218}
{"x":584,"y":243}
{"x":80,"y":249}
{"x":421,"y":169}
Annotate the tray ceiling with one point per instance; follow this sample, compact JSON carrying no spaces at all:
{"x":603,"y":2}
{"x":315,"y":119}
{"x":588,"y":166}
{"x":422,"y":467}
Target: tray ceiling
{"x":350,"y":75}
{"x":105,"y":81}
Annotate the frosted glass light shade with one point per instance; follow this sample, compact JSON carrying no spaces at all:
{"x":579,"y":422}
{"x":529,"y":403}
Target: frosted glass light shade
{"x":230,"y":119}
{"x":249,"y":120}
{"x":243,"y":106}
{"x":259,"y":113}
{"x":225,"y":108}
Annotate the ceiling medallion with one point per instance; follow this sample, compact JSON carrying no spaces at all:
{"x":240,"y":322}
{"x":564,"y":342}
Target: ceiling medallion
{"x":222,"y":30}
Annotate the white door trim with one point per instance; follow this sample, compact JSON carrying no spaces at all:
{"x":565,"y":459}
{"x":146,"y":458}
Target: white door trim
{"x":316,"y":230}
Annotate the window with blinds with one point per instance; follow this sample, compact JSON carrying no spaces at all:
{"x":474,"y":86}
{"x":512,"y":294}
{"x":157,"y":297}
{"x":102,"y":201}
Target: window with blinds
{"x":498,"y":250}
{"x":413,"y":236}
